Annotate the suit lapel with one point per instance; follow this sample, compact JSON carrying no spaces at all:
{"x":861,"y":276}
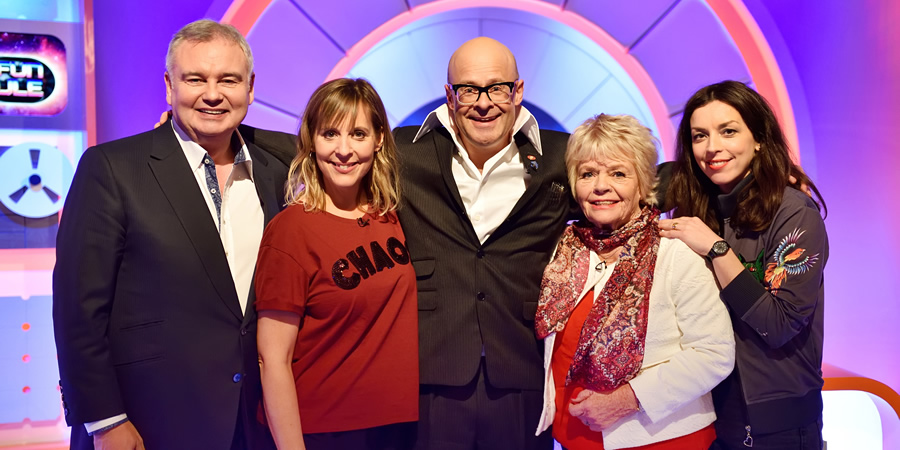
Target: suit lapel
{"x":270,"y":195}
{"x":170,"y":167}
{"x":443,"y":144}
{"x":533,"y":162}
{"x":271,"y":198}
{"x":446,"y":148}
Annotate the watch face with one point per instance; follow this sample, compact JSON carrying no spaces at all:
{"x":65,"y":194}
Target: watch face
{"x":720,"y":248}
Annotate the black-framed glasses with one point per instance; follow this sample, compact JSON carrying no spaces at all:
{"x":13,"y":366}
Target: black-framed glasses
{"x":468,"y":94}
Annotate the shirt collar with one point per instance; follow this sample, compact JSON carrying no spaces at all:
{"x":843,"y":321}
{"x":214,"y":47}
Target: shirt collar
{"x":525,"y":122}
{"x":195,"y":153}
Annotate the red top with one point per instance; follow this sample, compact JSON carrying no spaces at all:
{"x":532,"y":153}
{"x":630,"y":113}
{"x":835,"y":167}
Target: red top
{"x":356,"y":358}
{"x":570,"y":432}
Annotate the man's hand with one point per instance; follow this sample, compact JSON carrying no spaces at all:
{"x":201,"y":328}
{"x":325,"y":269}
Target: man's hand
{"x":163,"y":118}
{"x":122,"y":437}
{"x":599,"y":410}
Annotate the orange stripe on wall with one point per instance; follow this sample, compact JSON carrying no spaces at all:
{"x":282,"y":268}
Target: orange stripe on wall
{"x":16,"y":259}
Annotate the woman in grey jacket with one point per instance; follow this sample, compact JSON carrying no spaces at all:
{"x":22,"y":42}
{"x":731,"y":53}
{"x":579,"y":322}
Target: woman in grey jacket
{"x":735,"y":196}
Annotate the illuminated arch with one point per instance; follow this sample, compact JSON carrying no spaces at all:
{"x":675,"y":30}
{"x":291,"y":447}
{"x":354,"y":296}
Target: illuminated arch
{"x":732,"y":15}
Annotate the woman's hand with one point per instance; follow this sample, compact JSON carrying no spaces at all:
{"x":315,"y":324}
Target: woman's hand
{"x":690,"y":230}
{"x":693,"y":232}
{"x":163,"y":118}
{"x":599,"y":410}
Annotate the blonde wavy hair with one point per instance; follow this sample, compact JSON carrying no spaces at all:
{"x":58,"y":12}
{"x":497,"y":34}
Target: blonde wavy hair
{"x":332,"y":104}
{"x":619,"y":138}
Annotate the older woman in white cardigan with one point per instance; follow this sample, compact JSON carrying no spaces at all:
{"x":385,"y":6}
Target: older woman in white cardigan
{"x":634,"y":332}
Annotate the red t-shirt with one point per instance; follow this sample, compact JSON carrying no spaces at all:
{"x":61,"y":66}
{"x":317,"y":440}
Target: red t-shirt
{"x":355,"y":362}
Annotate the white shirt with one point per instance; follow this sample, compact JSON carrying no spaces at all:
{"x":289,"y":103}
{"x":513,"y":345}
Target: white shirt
{"x":688,"y":350}
{"x":240,"y":227}
{"x":242,"y":218}
{"x":489,"y":194}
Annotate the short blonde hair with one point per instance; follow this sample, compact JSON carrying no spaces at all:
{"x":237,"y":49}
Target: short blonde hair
{"x":333,"y":103}
{"x":620,"y":138}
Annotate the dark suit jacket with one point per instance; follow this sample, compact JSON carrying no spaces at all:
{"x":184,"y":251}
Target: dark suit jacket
{"x":146,"y":315}
{"x":281,"y":145}
{"x":473,"y":295}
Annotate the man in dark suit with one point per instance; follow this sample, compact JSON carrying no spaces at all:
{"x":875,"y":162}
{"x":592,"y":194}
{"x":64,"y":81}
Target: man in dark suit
{"x":153,"y":305}
{"x":485,"y":201}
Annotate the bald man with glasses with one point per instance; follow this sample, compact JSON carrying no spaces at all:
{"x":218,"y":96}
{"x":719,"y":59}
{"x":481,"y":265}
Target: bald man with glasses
{"x":486,"y":199}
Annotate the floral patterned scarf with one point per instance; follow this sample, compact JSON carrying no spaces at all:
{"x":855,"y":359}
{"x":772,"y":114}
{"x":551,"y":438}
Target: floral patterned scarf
{"x":611,"y":345}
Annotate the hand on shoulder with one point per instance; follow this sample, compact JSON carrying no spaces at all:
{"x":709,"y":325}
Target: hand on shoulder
{"x":690,"y":230}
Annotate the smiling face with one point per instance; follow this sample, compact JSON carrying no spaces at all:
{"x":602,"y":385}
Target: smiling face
{"x":722,"y":144}
{"x":209,"y":89}
{"x":484,"y":128}
{"x":344,"y":155}
{"x":607,"y":192}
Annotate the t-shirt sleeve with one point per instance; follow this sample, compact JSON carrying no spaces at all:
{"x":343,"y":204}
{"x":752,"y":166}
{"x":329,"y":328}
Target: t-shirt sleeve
{"x":281,"y":282}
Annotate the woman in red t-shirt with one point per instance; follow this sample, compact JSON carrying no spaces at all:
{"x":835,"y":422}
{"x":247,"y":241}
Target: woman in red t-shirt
{"x":335,"y":289}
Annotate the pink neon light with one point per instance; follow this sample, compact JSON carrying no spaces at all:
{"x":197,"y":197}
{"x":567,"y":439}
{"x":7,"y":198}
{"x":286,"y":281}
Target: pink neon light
{"x":241,"y":12}
{"x":24,"y":259}
{"x":26,"y":272}
{"x":732,"y":13}
{"x":761,"y":62}
{"x":634,"y":69}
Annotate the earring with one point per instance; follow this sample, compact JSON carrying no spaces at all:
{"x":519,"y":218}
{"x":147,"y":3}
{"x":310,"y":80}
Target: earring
{"x":757,"y":147}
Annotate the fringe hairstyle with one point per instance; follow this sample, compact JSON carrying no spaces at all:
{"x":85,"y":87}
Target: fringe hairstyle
{"x":621,"y":138}
{"x":333,"y":103}
{"x":690,"y":190}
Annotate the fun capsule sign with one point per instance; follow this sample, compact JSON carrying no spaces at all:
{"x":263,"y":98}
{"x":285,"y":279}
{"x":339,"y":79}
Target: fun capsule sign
{"x":32,"y":75}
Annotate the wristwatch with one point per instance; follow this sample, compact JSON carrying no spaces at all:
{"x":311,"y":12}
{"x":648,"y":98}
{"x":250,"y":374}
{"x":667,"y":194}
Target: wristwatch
{"x":718,"y":249}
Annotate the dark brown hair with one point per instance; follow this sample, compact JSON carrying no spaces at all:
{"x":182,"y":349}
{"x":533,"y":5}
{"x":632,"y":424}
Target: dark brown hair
{"x":690,"y":190}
